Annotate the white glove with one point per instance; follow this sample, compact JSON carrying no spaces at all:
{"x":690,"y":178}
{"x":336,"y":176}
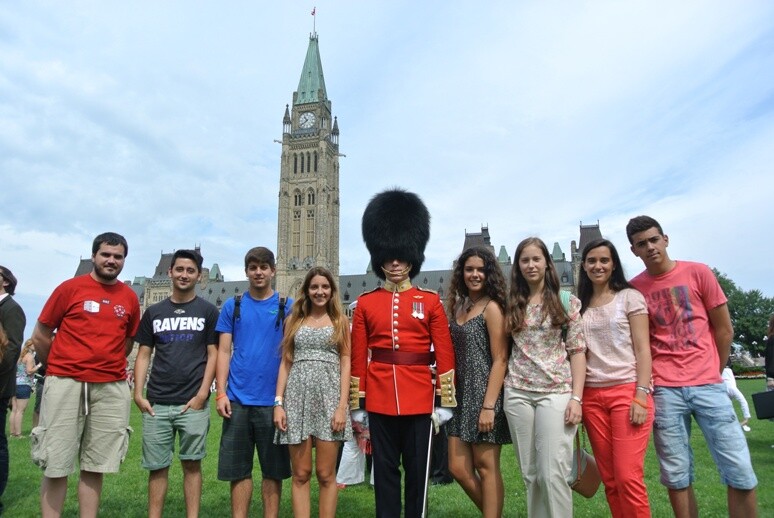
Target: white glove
{"x":439,"y":416}
{"x":359,"y":416}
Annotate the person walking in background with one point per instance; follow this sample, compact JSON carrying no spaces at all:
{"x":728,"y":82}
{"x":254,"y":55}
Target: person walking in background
{"x":476,"y":302}
{"x":690,"y":340}
{"x":736,"y":395}
{"x":25,"y":371}
{"x":12,"y":322}
{"x":543,"y":390}
{"x":40,"y":380}
{"x":249,"y":353}
{"x":311,"y":405}
{"x":617,"y":406}
{"x":86,"y":415}
{"x":181,"y":331}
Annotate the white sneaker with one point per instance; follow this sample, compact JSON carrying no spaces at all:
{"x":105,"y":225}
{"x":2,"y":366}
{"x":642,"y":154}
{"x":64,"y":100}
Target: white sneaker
{"x":746,"y":428}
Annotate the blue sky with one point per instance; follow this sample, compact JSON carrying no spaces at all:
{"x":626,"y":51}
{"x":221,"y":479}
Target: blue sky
{"x":157,"y":120}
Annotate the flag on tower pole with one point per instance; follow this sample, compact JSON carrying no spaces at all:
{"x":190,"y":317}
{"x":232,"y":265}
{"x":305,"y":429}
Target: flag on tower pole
{"x":314,"y":9}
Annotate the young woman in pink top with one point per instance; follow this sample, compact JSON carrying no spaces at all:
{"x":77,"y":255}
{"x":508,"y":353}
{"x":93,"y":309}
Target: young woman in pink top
{"x":617,"y":407}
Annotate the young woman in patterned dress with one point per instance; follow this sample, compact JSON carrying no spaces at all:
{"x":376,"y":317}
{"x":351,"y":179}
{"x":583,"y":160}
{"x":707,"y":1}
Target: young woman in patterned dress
{"x":312,"y":403}
{"x":544,"y":384}
{"x":476,"y":305}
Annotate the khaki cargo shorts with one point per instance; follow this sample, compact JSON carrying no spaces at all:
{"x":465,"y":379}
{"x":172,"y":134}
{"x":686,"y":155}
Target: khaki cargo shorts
{"x":90,"y":419}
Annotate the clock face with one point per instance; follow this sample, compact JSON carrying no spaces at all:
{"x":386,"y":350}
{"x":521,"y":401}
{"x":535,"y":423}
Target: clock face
{"x":306,"y":120}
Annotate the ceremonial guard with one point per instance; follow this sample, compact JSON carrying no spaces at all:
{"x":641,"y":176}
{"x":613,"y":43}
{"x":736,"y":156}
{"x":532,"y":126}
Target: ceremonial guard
{"x":403,"y":331}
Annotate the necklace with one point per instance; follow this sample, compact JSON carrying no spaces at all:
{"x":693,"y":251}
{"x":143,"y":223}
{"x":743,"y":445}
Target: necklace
{"x":470,"y":303}
{"x":317,"y":319}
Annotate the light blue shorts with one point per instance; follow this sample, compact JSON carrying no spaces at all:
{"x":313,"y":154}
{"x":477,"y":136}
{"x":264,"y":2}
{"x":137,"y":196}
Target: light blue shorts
{"x":158,"y":435}
{"x":711,"y":407}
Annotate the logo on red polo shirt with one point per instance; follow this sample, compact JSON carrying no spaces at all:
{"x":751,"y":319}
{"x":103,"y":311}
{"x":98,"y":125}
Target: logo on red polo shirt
{"x":119,"y":310}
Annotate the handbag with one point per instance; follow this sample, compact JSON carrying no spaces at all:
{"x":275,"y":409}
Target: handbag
{"x":584,"y":477}
{"x":764,"y":404}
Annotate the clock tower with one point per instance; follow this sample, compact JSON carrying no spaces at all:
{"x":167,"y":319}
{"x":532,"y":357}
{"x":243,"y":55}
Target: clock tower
{"x":308,"y":218}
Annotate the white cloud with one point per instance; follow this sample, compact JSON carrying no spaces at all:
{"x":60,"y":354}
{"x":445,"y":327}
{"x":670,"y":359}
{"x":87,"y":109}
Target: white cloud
{"x":157,"y":121}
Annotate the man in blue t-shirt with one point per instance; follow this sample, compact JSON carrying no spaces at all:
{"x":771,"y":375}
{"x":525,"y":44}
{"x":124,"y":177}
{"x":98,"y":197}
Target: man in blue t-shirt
{"x":181,"y":330}
{"x":250,"y":327}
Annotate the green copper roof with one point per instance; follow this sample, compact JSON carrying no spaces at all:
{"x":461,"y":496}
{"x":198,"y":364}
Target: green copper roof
{"x":557,"y":254}
{"x":503,"y":257}
{"x":311,"y":86}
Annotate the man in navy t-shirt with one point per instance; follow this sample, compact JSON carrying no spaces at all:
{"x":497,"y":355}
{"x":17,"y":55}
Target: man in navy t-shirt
{"x":181,"y":330}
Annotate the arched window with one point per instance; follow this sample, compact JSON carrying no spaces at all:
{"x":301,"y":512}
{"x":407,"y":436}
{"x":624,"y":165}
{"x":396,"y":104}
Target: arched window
{"x":295,"y":238}
{"x":302,"y":162}
{"x":310,"y":197}
{"x":315,"y":161}
{"x":310,"y":245}
{"x":298,"y":199}
{"x":308,"y":162}
{"x":295,"y":163}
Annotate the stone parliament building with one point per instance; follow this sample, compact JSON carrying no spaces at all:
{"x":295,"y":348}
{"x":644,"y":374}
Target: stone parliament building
{"x":308,"y":213}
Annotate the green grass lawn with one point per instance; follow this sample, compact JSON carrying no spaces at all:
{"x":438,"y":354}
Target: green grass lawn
{"x":125,"y":494}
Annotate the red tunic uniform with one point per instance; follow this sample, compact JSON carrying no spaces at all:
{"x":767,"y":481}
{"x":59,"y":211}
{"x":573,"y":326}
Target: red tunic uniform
{"x":396,"y":329}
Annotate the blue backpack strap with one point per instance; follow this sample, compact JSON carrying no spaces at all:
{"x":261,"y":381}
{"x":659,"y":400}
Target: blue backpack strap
{"x":235,"y":317}
{"x":280,"y":321}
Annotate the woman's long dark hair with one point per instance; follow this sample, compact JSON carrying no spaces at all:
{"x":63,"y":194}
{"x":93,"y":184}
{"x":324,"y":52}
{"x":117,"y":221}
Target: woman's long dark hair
{"x":617,"y":280}
{"x":494,"y":284}
{"x":518,"y":296}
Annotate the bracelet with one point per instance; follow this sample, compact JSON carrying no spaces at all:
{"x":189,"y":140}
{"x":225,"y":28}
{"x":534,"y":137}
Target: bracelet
{"x":220,"y":396}
{"x":487,"y":408}
{"x":576,"y":398}
{"x":278,"y":402}
{"x":644,"y":389}
{"x":643,"y":405}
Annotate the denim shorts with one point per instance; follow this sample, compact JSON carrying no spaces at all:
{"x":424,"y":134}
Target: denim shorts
{"x":158,"y":434}
{"x":23,"y":391}
{"x":711,"y":407}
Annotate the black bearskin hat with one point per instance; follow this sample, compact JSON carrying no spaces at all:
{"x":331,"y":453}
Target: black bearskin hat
{"x":396,"y":225}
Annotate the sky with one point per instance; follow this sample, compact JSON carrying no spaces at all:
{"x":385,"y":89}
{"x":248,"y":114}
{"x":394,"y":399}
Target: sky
{"x":157,"y":120}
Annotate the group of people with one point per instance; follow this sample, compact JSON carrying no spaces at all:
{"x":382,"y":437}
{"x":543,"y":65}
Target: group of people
{"x":622,"y":358}
{"x":524,"y":363}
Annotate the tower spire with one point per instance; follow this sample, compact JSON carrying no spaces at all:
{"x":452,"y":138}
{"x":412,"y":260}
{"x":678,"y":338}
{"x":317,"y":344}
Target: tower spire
{"x":311,"y":86}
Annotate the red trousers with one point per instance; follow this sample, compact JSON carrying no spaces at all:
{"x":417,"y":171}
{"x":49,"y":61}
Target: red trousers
{"x":619,"y":447}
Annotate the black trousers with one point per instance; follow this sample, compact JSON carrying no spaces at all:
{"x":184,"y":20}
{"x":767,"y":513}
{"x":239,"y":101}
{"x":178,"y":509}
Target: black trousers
{"x":3,"y":449}
{"x":394,"y":438}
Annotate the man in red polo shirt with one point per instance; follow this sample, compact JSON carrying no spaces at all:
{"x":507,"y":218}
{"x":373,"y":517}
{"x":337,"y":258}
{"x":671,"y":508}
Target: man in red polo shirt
{"x":86,"y":412}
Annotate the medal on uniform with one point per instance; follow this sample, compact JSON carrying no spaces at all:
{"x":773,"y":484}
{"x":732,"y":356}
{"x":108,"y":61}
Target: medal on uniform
{"x":418,"y":310}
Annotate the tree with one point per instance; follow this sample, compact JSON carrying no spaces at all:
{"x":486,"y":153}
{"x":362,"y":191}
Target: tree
{"x":750,"y":312}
